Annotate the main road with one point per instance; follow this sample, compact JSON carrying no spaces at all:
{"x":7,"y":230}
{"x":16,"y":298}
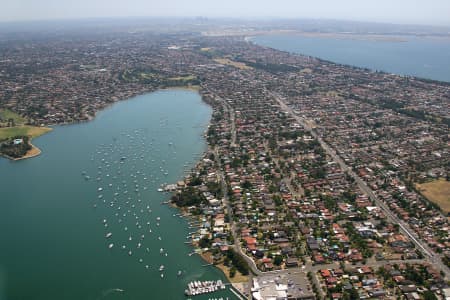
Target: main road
{"x":405,"y":229}
{"x":224,"y":186}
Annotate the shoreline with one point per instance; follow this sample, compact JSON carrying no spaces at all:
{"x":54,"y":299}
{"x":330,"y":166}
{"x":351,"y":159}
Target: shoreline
{"x":378,"y":37}
{"x":342,"y":35}
{"x":35,"y":151}
{"x":206,"y":256}
{"x":194,"y":88}
{"x":239,"y":280}
{"x":249,"y":38}
{"x":197,"y":154}
{"x":237,"y":283}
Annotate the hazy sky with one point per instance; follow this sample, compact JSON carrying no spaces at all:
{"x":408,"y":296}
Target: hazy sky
{"x":434,"y":12}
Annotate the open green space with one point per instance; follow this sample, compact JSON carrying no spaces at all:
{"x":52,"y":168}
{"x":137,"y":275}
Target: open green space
{"x":30,"y":131}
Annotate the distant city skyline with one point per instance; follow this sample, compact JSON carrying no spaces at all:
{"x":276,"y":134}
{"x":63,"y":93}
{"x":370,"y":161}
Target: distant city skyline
{"x":430,"y":12}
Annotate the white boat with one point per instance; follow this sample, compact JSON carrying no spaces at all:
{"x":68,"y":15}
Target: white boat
{"x":109,"y":234}
{"x":161,"y":268}
{"x":110,"y":245}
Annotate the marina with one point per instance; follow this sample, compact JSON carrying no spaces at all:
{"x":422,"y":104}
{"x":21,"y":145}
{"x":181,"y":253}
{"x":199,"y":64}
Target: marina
{"x":204,"y":287}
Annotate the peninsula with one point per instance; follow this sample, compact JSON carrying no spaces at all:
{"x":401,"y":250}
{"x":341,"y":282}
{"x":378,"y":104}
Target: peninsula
{"x":15,"y":136}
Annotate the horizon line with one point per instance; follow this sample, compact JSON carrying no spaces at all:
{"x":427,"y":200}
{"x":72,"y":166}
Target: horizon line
{"x":212,"y":18}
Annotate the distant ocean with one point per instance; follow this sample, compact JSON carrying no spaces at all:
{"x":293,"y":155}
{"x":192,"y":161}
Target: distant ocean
{"x":421,"y":57}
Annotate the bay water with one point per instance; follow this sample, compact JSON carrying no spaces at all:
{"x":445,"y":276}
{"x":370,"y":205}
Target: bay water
{"x":84,"y":220}
{"x":423,"y":57}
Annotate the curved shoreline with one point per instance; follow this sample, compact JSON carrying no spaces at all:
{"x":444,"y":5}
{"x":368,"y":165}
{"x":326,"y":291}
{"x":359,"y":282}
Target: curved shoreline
{"x":179,"y":109}
{"x":32,"y":132}
{"x":35,"y":151}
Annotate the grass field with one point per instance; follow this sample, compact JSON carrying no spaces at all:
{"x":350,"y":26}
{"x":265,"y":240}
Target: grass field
{"x":229,"y":62}
{"x":31,"y":131}
{"x":237,"y":278}
{"x":226,"y":270}
{"x":437,"y":191}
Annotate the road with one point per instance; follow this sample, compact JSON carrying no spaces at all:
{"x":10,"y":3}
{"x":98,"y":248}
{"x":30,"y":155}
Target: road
{"x":236,"y":246}
{"x":228,"y":110}
{"x":404,"y":228}
{"x":224,"y":186}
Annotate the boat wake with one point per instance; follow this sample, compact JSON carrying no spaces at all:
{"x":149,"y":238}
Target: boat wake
{"x":110,"y":291}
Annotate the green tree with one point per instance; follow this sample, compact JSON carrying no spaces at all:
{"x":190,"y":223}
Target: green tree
{"x":278,"y":260}
{"x":428,"y":295}
{"x":351,"y":294}
{"x":232,"y":272}
{"x":204,"y":242}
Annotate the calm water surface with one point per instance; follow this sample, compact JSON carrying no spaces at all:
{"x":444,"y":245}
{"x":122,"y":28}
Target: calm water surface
{"x":99,"y":179}
{"x":422,"y":57}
